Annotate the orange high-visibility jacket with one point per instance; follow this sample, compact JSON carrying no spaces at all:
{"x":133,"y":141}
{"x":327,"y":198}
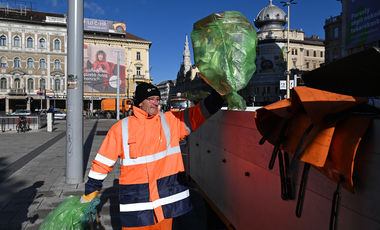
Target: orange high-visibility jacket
{"x":152,"y":182}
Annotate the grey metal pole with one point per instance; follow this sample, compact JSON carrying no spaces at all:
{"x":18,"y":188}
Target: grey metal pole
{"x":118,"y":87}
{"x":287,"y":62}
{"x":92,"y":100}
{"x":74,"y":124}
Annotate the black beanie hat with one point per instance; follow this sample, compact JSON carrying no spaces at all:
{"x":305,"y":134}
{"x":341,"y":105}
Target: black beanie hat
{"x":145,"y":90}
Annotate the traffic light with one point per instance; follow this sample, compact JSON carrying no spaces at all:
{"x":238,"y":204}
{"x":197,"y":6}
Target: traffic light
{"x":31,"y":100}
{"x":252,"y":97}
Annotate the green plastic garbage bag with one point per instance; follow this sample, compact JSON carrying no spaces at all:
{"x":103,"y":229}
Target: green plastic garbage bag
{"x":71,"y":214}
{"x":224,"y":46}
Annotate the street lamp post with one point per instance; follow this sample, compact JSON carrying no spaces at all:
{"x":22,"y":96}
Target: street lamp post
{"x":287,"y":52}
{"x":129,"y":70}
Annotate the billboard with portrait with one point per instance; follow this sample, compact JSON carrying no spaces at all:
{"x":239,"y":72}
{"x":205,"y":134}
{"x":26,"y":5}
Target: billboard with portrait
{"x":100,"y":69}
{"x":363,"y":22}
{"x":270,"y":59}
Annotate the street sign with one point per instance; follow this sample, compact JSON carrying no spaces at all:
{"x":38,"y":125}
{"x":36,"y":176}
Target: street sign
{"x":291,"y":83}
{"x":282,"y":84}
{"x":287,"y":72}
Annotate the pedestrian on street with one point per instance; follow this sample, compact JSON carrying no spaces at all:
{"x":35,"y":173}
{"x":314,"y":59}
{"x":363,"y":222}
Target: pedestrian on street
{"x":51,"y":110}
{"x":152,"y":183}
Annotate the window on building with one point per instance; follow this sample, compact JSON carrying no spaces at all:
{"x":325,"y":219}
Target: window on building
{"x":138,"y":56}
{"x":30,"y":84}
{"x":294,"y":64}
{"x":307,"y":65}
{"x":314,"y":53}
{"x":336,"y":32}
{"x":42,"y":64}
{"x":293,"y":52}
{"x":29,"y":42}
{"x":268,"y":90}
{"x":314,"y":65}
{"x":256,"y":90}
{"x":138,"y":71}
{"x":3,"y":83}
{"x":57,"y":44}
{"x":335,"y":54}
{"x":17,"y":83}
{"x":42,"y":43}
{"x":321,"y":53}
{"x":264,"y":90}
{"x":57,"y":64}
{"x":57,"y":85}
{"x":16,"y":63}
{"x":30,"y":63}
{"x":3,"y":40}
{"x":276,"y":89}
{"x":307,"y":52}
{"x":42,"y":82}
{"x":3,"y":62}
{"x":16,"y":41}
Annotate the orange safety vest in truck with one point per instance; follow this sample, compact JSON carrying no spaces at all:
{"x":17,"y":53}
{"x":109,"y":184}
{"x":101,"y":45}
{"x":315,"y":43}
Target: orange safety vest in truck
{"x":152,"y":183}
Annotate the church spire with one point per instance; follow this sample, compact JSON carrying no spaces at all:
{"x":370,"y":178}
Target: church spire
{"x":186,"y":58}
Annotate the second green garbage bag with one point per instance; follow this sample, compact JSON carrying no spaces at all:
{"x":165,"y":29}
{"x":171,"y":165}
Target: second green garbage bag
{"x":224,"y":46}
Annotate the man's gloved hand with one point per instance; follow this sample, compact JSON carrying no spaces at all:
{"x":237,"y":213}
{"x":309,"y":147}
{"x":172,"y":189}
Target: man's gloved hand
{"x":214,"y":102}
{"x":89,"y":197}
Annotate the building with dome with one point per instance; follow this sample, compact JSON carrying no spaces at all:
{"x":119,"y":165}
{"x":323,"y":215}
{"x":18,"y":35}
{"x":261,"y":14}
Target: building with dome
{"x":305,"y":54}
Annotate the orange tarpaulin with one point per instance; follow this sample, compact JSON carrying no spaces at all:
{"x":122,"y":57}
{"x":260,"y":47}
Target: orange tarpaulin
{"x":332,"y":142}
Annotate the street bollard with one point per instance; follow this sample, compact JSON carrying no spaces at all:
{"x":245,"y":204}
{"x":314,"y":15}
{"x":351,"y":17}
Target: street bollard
{"x":49,"y":124}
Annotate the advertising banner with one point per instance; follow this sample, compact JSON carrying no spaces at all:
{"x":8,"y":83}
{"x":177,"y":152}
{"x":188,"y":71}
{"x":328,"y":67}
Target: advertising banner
{"x":100,"y":69}
{"x":104,"y":26}
{"x":363,"y":22}
{"x":270,"y":59}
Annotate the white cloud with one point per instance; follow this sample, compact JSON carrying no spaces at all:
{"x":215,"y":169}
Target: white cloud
{"x":94,"y":8}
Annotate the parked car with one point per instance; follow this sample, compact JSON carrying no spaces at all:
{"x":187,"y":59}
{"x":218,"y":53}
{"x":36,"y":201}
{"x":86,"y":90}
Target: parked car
{"x":21,"y":112}
{"x":59,"y":115}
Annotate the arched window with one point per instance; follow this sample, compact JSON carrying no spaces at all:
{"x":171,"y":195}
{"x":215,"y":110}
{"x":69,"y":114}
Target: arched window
{"x":57,"y":85}
{"x":16,"y":63}
{"x":3,"y":83}
{"x":17,"y":83}
{"x":57,"y":44}
{"x":16,"y":41}
{"x":42,"y":82}
{"x":57,"y":64}
{"x":42,"y":43}
{"x":3,"y":62}
{"x":3,"y":40}
{"x":30,"y":84}
{"x":29,"y":42}
{"x":42,"y":64}
{"x":30,"y":63}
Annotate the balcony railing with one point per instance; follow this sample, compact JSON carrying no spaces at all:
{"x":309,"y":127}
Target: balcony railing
{"x":17,"y":91}
{"x":138,"y":76}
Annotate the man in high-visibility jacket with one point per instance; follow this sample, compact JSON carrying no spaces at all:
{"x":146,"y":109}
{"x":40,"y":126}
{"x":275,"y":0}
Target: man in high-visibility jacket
{"x":152,"y":183}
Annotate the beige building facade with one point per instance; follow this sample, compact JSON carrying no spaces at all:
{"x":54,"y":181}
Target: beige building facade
{"x":33,"y":56}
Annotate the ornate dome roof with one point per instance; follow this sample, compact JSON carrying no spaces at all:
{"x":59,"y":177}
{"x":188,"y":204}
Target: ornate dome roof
{"x":270,"y":18}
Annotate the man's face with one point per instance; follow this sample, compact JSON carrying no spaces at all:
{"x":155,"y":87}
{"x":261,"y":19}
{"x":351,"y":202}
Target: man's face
{"x":150,"y":105}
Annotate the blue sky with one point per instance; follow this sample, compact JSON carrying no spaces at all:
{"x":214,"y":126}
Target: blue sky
{"x":166,"y":22}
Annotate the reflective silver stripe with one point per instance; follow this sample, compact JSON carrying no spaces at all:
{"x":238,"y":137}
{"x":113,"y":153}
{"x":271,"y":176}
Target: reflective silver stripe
{"x":105,"y":160}
{"x":97,"y":176}
{"x":124,"y":131}
{"x":186,"y":118}
{"x":166,"y":128}
{"x":152,"y":205}
{"x":150,"y":158}
{"x":146,"y":159}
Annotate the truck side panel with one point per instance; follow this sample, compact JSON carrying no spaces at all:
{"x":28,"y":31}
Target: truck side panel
{"x":231,"y":169}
